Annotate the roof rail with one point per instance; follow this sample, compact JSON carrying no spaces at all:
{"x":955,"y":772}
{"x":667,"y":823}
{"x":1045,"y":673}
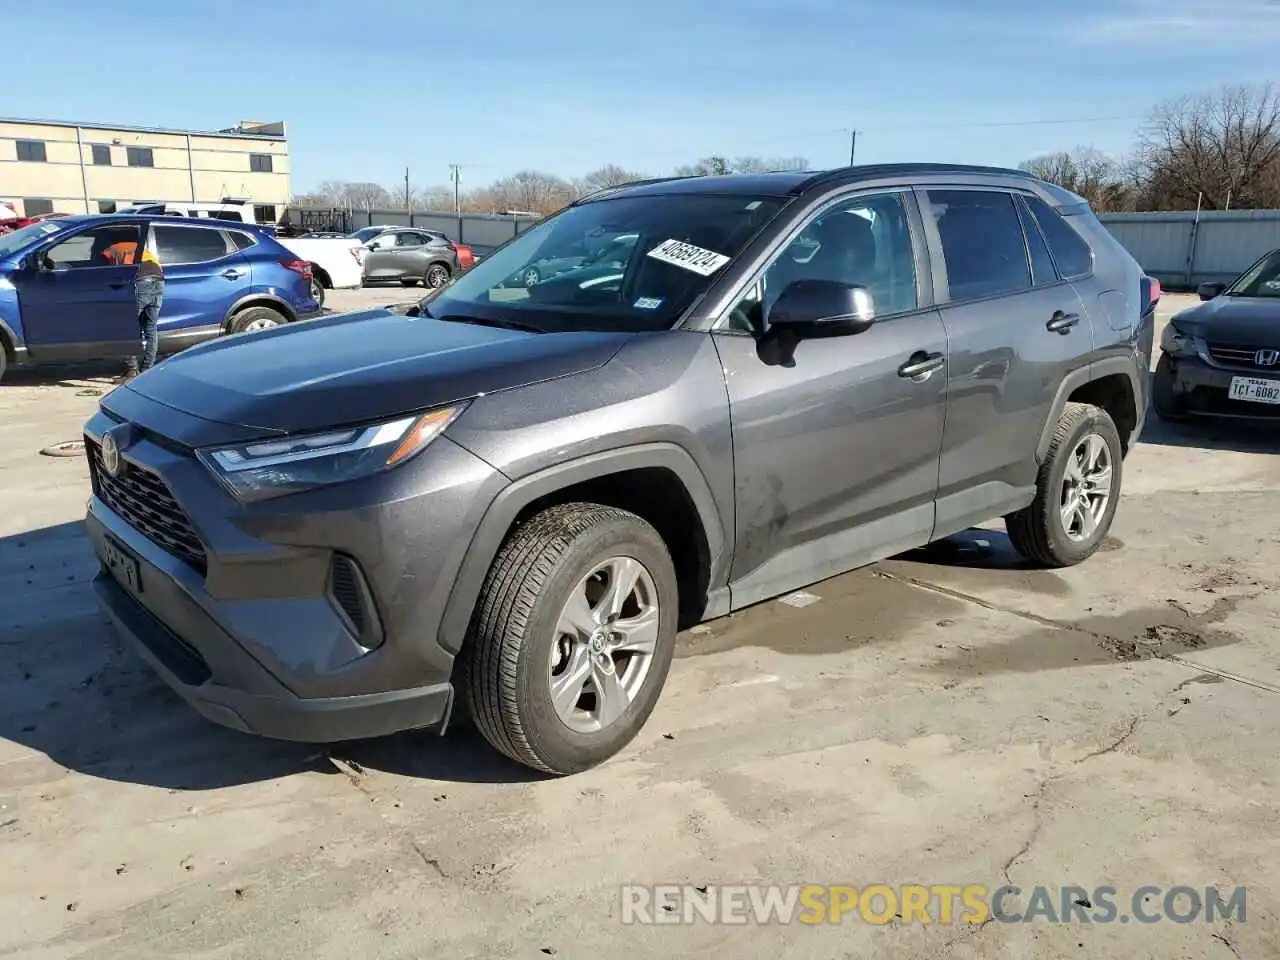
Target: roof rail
{"x":842,"y":174}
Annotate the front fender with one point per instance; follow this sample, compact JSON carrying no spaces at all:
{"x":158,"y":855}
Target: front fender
{"x":507,"y":505}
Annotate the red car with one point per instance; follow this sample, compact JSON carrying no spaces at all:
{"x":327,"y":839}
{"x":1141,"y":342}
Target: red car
{"x":466,"y":256}
{"x":17,"y":223}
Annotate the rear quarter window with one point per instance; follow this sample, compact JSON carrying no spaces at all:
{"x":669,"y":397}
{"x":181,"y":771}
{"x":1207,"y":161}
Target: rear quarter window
{"x":177,"y":245}
{"x":1070,"y":252}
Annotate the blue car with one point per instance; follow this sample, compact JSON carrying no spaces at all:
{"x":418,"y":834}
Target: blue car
{"x":64,"y":299}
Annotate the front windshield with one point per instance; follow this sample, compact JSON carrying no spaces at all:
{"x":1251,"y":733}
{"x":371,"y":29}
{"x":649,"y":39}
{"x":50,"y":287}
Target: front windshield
{"x":11,"y":243}
{"x":1260,"y":280}
{"x":628,"y":263}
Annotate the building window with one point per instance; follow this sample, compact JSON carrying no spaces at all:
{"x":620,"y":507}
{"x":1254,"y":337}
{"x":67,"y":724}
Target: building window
{"x":32,"y":151}
{"x":36,"y":208}
{"x":141,"y":157}
{"x":106,"y":206}
{"x":101,"y":155}
{"x":260,"y":163}
{"x":265,"y":213}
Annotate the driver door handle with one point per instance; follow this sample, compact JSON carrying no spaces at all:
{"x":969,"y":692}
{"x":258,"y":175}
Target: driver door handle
{"x":1062,"y":322}
{"x":117,"y":285}
{"x":921,"y":365}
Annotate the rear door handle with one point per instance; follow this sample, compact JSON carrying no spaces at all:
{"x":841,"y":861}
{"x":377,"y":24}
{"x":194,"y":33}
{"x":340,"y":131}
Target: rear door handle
{"x":116,"y":285}
{"x":232,"y":274}
{"x":1062,"y":322}
{"x":921,"y":365}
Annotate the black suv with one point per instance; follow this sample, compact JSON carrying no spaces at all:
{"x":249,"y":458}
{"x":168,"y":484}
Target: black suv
{"x":517,"y":495}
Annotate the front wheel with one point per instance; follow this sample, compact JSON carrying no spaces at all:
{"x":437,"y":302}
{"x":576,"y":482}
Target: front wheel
{"x":572,"y":637}
{"x":1077,"y":491}
{"x":1169,"y":406}
{"x":531,"y":277}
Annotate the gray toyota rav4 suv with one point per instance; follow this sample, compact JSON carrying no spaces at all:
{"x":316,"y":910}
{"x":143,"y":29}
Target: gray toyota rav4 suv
{"x":515,"y":496}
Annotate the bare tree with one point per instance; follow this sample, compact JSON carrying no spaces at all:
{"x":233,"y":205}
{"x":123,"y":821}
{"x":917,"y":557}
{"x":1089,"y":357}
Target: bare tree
{"x":1219,"y":147}
{"x":610,"y":175}
{"x":358,"y":196}
{"x":768,"y":164}
{"x":1086,"y":171}
{"x":528,"y":190}
{"x":438,"y":198}
{"x":706,"y":167}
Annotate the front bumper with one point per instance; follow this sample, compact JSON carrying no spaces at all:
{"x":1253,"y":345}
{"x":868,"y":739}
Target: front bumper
{"x":1204,"y":390}
{"x":246,"y":622}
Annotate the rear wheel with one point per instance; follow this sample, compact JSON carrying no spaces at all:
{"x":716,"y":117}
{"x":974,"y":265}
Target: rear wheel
{"x":4,"y":357}
{"x":531,"y":277}
{"x":317,"y":291}
{"x":437,"y":276}
{"x":572,"y":637}
{"x":255,"y":319}
{"x":1077,"y":490}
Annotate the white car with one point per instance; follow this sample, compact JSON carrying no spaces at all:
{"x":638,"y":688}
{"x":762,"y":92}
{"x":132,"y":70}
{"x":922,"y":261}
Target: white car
{"x":336,"y":264}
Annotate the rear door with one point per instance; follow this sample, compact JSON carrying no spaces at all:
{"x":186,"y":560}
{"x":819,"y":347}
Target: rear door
{"x":1014,"y":332}
{"x":204,"y":275}
{"x":80,"y":305}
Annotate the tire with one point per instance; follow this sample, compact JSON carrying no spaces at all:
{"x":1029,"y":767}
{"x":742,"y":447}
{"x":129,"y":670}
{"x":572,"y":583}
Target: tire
{"x":256,"y":319}
{"x":531,"y":277}
{"x":1168,"y":406}
{"x":1038,"y":531}
{"x":437,"y":276}
{"x":508,"y":672}
{"x":317,"y":291}
{"x":4,"y":358}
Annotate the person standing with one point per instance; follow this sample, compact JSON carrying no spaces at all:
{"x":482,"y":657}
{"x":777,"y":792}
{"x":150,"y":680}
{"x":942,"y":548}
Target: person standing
{"x":148,"y":294}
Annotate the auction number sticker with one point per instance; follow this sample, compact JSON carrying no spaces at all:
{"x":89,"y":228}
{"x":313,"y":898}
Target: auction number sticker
{"x":686,"y":255}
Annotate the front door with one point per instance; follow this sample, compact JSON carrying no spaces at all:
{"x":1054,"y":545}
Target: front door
{"x":204,"y":276}
{"x":78,"y":304}
{"x":836,"y":445}
{"x":1016,"y":331}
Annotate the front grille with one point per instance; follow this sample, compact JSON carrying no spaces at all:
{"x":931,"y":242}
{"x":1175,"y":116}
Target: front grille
{"x":1241,"y":356}
{"x":143,"y":501}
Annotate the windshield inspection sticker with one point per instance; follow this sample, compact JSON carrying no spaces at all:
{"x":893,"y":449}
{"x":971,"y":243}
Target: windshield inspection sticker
{"x":681,"y":254}
{"x":648,"y":303}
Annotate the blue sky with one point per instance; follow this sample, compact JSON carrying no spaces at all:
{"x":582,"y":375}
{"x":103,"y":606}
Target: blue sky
{"x":567,"y":85}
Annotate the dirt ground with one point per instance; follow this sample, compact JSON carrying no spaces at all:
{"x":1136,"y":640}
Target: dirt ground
{"x":943,"y":717}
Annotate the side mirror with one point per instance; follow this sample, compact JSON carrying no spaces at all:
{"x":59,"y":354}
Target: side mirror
{"x":823,"y":305}
{"x":1207,"y":291}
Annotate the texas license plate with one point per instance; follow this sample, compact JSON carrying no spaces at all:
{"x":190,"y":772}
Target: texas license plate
{"x":122,"y":564}
{"x":1255,"y":389}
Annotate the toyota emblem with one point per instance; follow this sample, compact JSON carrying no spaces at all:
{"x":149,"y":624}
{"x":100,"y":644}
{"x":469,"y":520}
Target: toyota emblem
{"x":1267,"y":358}
{"x":110,"y":455}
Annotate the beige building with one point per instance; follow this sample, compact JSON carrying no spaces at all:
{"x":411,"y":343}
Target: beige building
{"x":48,"y":166}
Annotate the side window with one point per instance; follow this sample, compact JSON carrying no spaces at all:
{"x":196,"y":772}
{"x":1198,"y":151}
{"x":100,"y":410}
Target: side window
{"x":410,"y":239}
{"x":865,"y":241}
{"x":1042,"y":271}
{"x":242,"y":240}
{"x":1070,"y":252}
{"x":106,"y":246}
{"x":982,"y":243}
{"x":177,"y":245}
{"x":226,"y":215}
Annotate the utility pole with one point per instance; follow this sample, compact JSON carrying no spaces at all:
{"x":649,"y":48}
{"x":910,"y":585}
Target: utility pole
{"x":408,"y":204}
{"x":853,"y":145}
{"x":455,"y":174}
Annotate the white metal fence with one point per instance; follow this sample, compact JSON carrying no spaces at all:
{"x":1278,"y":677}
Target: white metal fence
{"x":1184,"y":249}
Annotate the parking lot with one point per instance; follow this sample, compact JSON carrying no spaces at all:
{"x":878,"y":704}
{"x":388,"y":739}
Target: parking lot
{"x":944,"y":717}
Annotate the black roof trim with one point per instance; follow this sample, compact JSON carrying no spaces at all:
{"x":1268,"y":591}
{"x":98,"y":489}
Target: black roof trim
{"x":869,"y":171}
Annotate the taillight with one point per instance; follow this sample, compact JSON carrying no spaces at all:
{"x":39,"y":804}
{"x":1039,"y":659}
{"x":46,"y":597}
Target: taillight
{"x":357,"y":254}
{"x":298,"y":266}
{"x":1150,"y":294}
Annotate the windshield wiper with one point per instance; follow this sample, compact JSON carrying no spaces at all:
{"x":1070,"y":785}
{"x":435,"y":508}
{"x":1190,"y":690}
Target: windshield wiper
{"x":488,"y":322}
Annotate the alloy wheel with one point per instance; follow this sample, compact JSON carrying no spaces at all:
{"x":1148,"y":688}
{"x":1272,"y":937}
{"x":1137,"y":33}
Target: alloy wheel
{"x":1086,"y":488}
{"x":606,"y":638}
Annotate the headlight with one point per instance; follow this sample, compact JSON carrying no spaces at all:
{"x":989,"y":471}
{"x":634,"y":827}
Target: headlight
{"x":271,"y":468}
{"x":1176,"y":343}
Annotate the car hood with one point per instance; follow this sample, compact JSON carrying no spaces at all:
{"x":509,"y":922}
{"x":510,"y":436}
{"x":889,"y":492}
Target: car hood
{"x":1250,"y":321}
{"x":362,"y":366}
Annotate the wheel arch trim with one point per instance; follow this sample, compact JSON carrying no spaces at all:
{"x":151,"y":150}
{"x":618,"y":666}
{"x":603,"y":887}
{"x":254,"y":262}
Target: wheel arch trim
{"x":1106,"y":367}
{"x":507,"y":505}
